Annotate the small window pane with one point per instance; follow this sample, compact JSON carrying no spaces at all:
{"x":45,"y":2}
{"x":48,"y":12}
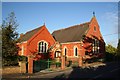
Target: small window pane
{"x":75,"y":51}
{"x":42,"y":47}
{"x":65,"y":51}
{"x":45,"y":47}
{"x":94,"y":28}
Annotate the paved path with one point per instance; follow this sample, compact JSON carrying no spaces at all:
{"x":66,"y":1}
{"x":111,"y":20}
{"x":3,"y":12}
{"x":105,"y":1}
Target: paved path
{"x":53,"y":74}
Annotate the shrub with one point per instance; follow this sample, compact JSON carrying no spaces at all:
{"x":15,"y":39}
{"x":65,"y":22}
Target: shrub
{"x":10,"y":61}
{"x":22,"y":58}
{"x":75,"y":64}
{"x":69,"y":63}
{"x":58,"y":64}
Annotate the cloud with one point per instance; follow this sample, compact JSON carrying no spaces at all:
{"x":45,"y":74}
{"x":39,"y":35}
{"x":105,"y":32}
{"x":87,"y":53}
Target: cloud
{"x":112,"y":18}
{"x":111,"y":21}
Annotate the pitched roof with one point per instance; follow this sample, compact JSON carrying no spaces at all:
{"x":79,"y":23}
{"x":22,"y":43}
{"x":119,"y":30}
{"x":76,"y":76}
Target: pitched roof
{"x":29,"y":34}
{"x":71,"y":34}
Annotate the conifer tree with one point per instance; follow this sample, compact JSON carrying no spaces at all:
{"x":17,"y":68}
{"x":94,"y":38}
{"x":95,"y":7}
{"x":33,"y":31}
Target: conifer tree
{"x":9,"y":40}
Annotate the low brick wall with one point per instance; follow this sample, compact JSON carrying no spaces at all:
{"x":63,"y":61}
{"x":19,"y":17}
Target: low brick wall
{"x":23,"y":67}
{"x":14,"y":69}
{"x":73,"y":59}
{"x":10,"y":69}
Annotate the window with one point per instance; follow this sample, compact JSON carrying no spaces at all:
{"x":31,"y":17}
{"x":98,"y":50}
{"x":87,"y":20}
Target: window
{"x":42,"y":47}
{"x":65,"y":51}
{"x":94,"y":28}
{"x":95,"y":45}
{"x":57,"y":54}
{"x":75,"y":51}
{"x":98,"y":46}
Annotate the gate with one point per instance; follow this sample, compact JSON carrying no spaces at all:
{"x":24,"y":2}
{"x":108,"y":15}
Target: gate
{"x":39,"y":65}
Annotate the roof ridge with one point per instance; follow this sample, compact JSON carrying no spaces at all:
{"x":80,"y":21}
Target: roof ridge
{"x":30,"y":33}
{"x":72,"y":26}
{"x":34,"y":29}
{"x":71,"y":34}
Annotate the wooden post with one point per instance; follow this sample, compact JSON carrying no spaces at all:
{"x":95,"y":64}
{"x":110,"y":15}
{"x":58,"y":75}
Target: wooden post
{"x":80,"y":61}
{"x":63,"y":62}
{"x":30,"y":65}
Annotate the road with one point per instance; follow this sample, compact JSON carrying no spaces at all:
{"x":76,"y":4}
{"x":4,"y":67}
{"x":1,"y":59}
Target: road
{"x":52,"y":75}
{"x":110,"y":71}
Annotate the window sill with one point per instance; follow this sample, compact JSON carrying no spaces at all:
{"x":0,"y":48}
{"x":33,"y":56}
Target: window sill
{"x":75,"y":56}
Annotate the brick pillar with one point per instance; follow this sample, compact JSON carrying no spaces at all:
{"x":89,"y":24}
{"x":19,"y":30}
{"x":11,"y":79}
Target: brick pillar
{"x":30,"y":65}
{"x":80,"y":61}
{"x":22,"y":67}
{"x":63,"y":62}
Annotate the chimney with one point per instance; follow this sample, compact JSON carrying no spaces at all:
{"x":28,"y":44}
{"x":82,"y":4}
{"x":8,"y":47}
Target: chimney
{"x":21,"y":34}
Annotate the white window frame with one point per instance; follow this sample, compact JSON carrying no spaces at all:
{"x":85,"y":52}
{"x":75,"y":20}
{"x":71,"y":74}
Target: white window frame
{"x":95,"y":28}
{"x":57,"y":54}
{"x":75,"y":51}
{"x":96,"y":47}
{"x":66,"y":50}
{"x":41,"y":46}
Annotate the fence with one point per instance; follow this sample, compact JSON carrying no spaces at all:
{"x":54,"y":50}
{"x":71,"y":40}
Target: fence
{"x":45,"y":64}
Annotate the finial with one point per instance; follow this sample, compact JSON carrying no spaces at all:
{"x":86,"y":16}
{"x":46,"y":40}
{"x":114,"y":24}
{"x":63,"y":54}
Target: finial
{"x":93,"y":13}
{"x":44,"y":23}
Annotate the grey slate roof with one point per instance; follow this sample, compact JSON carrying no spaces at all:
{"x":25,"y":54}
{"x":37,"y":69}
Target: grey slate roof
{"x":29,"y":34}
{"x":71,"y":34}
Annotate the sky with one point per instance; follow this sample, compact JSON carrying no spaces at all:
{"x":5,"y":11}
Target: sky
{"x":60,"y":0}
{"x":58,"y":15}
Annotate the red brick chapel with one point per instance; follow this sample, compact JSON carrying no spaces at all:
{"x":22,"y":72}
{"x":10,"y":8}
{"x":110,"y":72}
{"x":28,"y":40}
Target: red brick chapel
{"x":78,"y":40}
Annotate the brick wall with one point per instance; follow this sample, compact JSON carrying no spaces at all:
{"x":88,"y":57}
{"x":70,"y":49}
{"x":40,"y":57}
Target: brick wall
{"x":11,"y":69}
{"x":42,"y":35}
{"x":70,"y":51}
{"x":14,"y":69}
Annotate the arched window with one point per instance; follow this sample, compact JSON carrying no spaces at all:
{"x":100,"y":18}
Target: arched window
{"x":65,"y":51}
{"x":94,"y":28}
{"x":95,"y":46}
{"x":42,"y":47}
{"x":75,"y":51}
{"x":57,"y":54}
